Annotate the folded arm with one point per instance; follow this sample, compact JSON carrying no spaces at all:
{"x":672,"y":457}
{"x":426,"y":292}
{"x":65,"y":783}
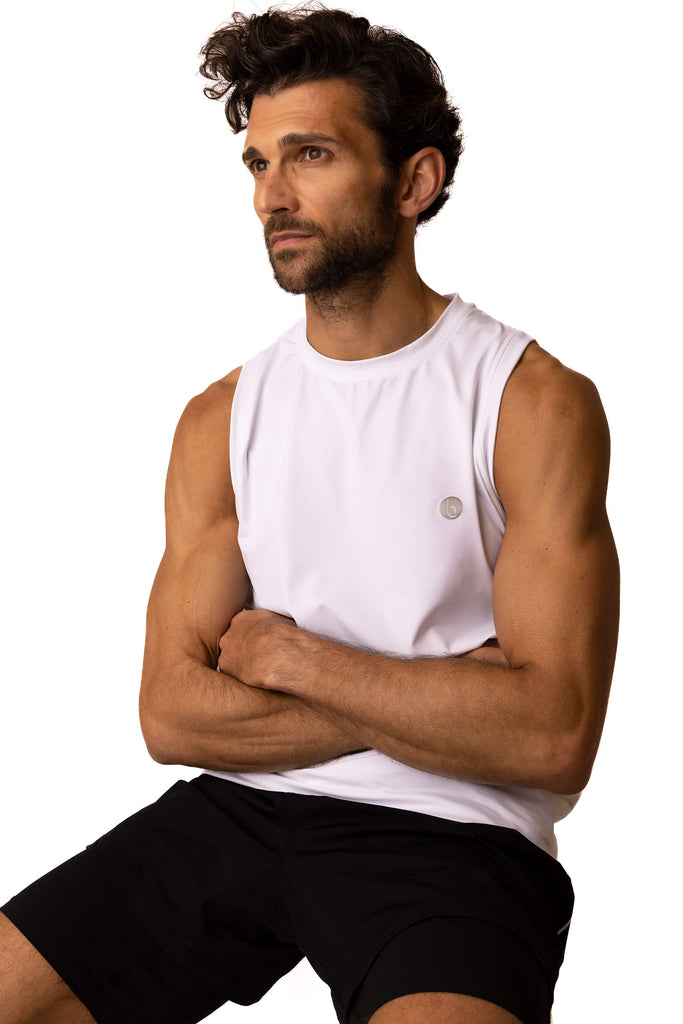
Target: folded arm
{"x":190,"y":713}
{"x":534,"y":717}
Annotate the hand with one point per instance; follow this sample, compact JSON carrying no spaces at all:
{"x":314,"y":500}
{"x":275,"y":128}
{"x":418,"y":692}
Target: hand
{"x":250,"y":647}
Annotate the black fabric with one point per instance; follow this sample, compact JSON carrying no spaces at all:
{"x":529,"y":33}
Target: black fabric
{"x":76,"y":920}
{"x":217,"y":890}
{"x":457,"y":954}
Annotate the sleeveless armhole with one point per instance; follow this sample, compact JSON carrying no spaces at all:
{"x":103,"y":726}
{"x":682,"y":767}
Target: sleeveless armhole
{"x":236,"y":447}
{"x":264,"y":404}
{"x":493,"y":385}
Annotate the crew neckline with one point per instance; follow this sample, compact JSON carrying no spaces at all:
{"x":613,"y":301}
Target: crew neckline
{"x":392,"y":362}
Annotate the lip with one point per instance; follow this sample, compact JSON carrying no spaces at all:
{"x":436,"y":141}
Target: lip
{"x":286,"y":239}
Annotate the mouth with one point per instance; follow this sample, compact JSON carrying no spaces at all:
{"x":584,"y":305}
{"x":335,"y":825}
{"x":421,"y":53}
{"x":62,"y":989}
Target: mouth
{"x":287,"y":239}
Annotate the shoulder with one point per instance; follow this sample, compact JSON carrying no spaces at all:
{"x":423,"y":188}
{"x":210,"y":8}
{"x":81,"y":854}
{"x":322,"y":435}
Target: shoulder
{"x":552,"y":428}
{"x":200,"y":459}
{"x":204,"y":427}
{"x":542,"y":387}
{"x":212,"y":407}
{"x":544,"y":395}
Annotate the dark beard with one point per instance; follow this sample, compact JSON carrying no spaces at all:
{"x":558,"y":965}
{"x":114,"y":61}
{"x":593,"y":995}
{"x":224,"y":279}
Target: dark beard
{"x":354,"y":260}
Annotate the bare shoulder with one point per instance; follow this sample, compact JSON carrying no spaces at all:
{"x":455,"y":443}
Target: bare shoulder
{"x":199,"y":484}
{"x":211,"y":409}
{"x":542,"y":387}
{"x":552,"y":431}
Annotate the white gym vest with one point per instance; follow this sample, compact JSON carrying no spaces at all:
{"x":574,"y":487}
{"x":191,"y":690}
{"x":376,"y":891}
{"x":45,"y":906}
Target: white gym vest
{"x":368,"y":513}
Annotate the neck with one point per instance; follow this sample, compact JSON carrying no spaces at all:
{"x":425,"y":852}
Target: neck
{"x":373,"y":316}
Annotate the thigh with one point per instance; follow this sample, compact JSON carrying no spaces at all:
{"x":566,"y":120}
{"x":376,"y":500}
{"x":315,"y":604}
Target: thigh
{"x":30,"y":989}
{"x":482,"y":970}
{"x":102,"y":953}
{"x":201,"y":869}
{"x":168,"y":916}
{"x":441,"y":1008}
{"x":393,"y":903}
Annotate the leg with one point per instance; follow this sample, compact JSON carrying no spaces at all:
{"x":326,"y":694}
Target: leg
{"x":454,"y":971}
{"x":441,"y":1008}
{"x":30,"y":990}
{"x":153,"y":922}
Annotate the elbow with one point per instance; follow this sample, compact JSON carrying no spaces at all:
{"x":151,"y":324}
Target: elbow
{"x":566,"y":766}
{"x":157,"y":733}
{"x":567,"y":736}
{"x":158,"y":742}
{"x":160,"y":752}
{"x":568,"y":781}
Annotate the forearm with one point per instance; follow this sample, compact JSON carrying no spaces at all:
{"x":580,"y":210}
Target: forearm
{"x":459,"y":717}
{"x":193,"y":715}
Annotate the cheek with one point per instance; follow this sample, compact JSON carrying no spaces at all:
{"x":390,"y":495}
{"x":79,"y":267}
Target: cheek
{"x":337,"y":205}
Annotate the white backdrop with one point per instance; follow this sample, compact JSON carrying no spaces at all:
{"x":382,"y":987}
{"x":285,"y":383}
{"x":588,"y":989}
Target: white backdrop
{"x":135,"y":275}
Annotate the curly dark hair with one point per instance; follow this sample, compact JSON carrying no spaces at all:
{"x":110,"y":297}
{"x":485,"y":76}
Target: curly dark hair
{"x":405,"y":100}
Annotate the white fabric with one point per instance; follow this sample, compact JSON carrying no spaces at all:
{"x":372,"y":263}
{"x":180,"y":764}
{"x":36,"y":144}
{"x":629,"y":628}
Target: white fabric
{"x":346,"y":475}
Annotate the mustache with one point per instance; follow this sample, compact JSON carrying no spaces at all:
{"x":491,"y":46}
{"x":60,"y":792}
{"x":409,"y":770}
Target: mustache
{"x":289,"y":223}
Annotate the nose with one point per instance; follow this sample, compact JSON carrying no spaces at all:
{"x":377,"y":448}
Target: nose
{"x":273,"y":193}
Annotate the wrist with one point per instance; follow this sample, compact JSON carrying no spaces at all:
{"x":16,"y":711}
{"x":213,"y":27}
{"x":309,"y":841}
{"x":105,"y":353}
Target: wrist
{"x":289,"y":659}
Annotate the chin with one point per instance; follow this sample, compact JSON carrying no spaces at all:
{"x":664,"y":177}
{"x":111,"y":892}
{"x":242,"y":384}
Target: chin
{"x":290,"y":278}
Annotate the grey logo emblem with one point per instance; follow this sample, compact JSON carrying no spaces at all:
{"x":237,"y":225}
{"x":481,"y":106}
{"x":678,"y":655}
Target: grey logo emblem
{"x":451,"y":508}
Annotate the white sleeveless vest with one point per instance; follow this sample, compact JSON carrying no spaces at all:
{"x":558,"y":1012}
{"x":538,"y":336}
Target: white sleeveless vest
{"x":368,"y":513}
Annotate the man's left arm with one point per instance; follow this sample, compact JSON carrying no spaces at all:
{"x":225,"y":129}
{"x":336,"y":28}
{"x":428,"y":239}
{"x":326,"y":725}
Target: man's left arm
{"x":533,"y":717}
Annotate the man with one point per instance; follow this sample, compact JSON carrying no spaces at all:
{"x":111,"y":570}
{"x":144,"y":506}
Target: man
{"x":388,"y":534}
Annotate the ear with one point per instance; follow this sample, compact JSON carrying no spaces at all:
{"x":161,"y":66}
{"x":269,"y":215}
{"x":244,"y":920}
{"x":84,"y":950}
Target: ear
{"x":422,"y":178}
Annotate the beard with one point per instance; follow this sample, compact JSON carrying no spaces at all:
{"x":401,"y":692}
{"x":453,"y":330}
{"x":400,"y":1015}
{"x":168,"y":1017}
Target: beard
{"x":357,"y":256}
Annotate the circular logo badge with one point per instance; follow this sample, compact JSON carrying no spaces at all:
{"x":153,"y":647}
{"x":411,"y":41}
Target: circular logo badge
{"x":451,"y":508}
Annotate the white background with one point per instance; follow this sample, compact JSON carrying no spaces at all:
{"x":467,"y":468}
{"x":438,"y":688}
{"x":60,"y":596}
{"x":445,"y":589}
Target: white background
{"x":135,"y":275}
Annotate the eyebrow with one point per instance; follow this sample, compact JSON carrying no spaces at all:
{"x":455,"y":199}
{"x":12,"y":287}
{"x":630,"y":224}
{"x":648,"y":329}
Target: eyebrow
{"x":293,"y":139}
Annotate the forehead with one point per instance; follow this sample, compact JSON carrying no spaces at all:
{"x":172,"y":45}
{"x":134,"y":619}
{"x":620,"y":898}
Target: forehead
{"x":332,"y":107}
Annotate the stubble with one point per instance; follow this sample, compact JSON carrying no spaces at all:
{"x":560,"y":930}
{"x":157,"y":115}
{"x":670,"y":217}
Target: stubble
{"x":343,"y":272}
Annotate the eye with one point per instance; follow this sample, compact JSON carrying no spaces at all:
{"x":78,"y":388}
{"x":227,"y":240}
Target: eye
{"x":312,"y":153}
{"x":258,"y":166}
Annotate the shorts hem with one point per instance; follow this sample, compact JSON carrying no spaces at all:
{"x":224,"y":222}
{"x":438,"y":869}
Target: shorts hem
{"x":85,"y":985}
{"x":346,"y":1002}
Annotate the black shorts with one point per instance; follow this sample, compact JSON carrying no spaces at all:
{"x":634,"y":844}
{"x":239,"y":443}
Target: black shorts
{"x":216,"y":891}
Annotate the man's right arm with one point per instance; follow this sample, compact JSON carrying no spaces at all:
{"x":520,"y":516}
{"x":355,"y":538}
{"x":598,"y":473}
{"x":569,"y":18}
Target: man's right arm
{"x":190,"y":713}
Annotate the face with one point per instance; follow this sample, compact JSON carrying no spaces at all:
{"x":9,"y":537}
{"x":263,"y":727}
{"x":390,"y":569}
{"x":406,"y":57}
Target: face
{"x":321,"y":189}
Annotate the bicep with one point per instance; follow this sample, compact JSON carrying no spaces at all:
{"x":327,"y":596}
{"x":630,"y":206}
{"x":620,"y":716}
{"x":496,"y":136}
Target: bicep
{"x":556,"y":578}
{"x":555,"y":604}
{"x":195,"y":595}
{"x":202,"y":581}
